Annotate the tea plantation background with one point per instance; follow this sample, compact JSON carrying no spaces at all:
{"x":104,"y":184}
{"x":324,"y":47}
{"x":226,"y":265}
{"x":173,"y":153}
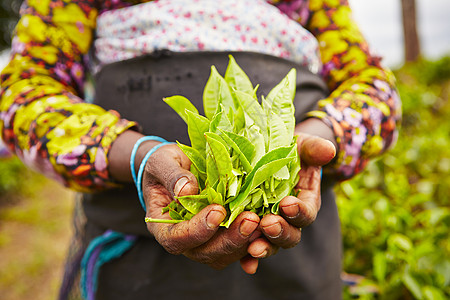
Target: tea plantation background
{"x":395,"y":216}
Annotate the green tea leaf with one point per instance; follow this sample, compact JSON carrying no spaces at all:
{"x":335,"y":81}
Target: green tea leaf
{"x":211,"y":93}
{"x":221,"y":190}
{"x":273,"y":155}
{"x":275,"y":208}
{"x":278,"y":134}
{"x":236,"y":77}
{"x":254,"y":111}
{"x":174,"y":215}
{"x":188,"y":215}
{"x":283,"y":190}
{"x":281,"y":99}
{"x":267,"y":107}
{"x":254,"y":135}
{"x":238,"y":119}
{"x":193,"y":203}
{"x":211,"y":194}
{"x":180,"y":105}
{"x":285,"y":187}
{"x":267,"y":170}
{"x":257,"y":198}
{"x":197,"y":126}
{"x":258,"y":176}
{"x":216,"y":91}
{"x":212,"y":173}
{"x":226,"y":98}
{"x":266,"y":167}
{"x":265,"y":200}
{"x":218,"y":138}
{"x":278,"y":137}
{"x":285,"y":88}
{"x":220,"y":121}
{"x":236,"y":211}
{"x":201,"y":178}
{"x":244,"y":149}
{"x":290,"y":172}
{"x":195,"y":157}
{"x":214,"y":197}
{"x":245,"y":145}
{"x":219,"y":158}
{"x":282,"y":174}
{"x":234,"y":185}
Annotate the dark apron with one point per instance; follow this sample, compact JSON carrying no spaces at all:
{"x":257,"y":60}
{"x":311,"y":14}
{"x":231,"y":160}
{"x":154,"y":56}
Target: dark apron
{"x":135,"y":89}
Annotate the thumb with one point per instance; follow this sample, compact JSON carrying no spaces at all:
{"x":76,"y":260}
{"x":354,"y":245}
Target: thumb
{"x":169,"y":166}
{"x":314,"y":150}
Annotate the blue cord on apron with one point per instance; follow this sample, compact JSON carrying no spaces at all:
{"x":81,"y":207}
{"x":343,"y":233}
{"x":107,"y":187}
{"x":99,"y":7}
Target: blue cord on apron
{"x":102,"y":249}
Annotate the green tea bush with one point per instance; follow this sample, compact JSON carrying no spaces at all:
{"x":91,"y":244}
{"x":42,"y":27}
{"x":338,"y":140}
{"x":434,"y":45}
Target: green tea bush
{"x":395,"y":215}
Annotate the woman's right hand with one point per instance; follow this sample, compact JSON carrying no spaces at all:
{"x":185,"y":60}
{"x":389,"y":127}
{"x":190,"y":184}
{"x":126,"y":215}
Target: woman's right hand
{"x":167,"y":175}
{"x":200,"y":239}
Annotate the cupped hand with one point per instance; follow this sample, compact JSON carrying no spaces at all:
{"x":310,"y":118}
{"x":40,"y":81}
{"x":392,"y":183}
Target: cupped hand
{"x":296,"y":212}
{"x":200,"y":239}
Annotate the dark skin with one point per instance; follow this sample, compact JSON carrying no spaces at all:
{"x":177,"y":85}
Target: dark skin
{"x":249,"y":238}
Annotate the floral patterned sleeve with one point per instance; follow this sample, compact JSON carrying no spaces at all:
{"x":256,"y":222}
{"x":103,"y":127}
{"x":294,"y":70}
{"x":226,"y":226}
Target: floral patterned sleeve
{"x":363,"y":108}
{"x":43,"y":118}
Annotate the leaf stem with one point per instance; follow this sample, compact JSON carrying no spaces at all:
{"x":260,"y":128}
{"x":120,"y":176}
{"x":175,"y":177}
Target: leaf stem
{"x":151,"y":220}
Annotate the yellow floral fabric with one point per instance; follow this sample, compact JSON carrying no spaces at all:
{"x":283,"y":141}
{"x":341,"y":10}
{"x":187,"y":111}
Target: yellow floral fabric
{"x":364,"y":108}
{"x":43,"y":117}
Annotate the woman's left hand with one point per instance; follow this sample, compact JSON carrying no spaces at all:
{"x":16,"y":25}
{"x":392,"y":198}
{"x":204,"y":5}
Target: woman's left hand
{"x":297,"y":212}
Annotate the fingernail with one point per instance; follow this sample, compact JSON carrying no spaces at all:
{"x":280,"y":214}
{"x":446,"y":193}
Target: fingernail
{"x":261,"y":255}
{"x":247,"y":227}
{"x":273,"y":230}
{"x":291,"y":211}
{"x":214,"y":218}
{"x":179,"y":185}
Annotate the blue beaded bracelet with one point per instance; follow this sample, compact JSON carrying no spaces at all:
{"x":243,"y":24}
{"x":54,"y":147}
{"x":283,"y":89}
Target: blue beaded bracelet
{"x":135,"y":148}
{"x":141,"y":172}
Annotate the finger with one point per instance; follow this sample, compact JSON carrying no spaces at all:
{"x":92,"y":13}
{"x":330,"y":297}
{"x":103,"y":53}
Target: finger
{"x":302,"y":211}
{"x":228,"y":245}
{"x":240,"y":231}
{"x":249,"y":264}
{"x":279,"y":232}
{"x":262,"y":248}
{"x":236,"y":236}
{"x":315,"y":151}
{"x":181,"y":237}
{"x":169,"y":166}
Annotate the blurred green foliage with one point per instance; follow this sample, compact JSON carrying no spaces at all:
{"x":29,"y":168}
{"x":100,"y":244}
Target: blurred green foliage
{"x":16,"y":180}
{"x":11,"y":181}
{"x":395,"y":215}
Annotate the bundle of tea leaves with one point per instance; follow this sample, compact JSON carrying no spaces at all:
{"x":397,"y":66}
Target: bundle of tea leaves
{"x":243,"y":153}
